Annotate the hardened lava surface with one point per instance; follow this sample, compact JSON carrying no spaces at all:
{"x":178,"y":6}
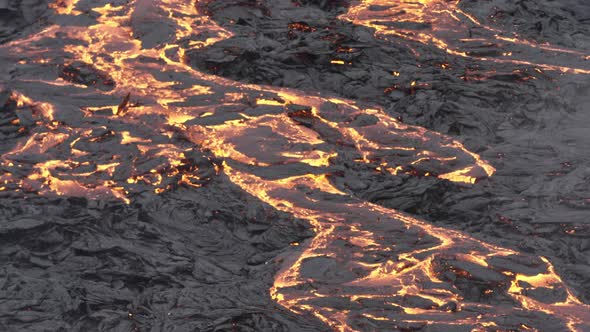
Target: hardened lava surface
{"x":294,"y":165}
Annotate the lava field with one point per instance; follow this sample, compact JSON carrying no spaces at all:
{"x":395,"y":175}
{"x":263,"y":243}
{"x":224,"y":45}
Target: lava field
{"x":295,"y":165}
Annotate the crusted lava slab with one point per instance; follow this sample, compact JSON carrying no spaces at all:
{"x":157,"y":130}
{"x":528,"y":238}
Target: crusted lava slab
{"x":172,"y":165}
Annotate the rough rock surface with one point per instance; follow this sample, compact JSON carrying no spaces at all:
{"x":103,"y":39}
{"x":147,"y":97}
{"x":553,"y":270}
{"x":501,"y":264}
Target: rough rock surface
{"x":203,"y":259}
{"x":529,"y":124}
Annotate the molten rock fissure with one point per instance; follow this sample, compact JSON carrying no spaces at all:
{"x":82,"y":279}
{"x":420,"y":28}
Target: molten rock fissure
{"x":283,"y":165}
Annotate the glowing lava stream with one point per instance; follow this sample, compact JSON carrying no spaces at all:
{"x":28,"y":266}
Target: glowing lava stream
{"x":368,"y":267}
{"x":443,"y":24}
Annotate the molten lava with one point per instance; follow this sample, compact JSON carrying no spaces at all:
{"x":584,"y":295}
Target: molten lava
{"x":443,"y":24}
{"x":387,"y":269}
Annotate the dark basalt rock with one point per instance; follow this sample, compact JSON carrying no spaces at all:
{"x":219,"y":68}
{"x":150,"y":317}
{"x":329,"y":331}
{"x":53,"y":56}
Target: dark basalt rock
{"x":202,"y":255}
{"x":17,"y":15}
{"x":82,"y":73}
{"x":506,"y":113}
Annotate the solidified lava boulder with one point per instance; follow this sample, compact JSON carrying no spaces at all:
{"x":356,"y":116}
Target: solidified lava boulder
{"x":83,"y":73}
{"x":16,"y":15}
{"x":475,"y":282}
{"x":563,"y":22}
{"x":323,"y":4}
{"x":15,"y":121}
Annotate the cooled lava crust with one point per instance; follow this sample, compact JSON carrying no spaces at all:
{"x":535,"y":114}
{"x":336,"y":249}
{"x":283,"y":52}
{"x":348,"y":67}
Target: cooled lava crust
{"x":294,"y":165}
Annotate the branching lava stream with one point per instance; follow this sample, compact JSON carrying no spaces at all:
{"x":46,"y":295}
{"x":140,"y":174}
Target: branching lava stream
{"x":445,"y":25}
{"x":368,"y":268}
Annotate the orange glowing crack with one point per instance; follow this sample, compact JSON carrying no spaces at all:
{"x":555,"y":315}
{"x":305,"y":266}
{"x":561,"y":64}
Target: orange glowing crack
{"x":419,"y":256}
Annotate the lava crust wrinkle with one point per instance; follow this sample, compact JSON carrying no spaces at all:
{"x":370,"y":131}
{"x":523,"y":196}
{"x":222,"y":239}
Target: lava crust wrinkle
{"x":172,"y":193}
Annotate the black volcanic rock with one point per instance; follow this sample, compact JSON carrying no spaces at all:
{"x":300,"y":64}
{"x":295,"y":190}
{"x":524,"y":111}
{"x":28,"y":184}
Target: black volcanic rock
{"x":82,"y":73}
{"x":17,"y":15}
{"x":509,"y":114}
{"x":192,"y":251}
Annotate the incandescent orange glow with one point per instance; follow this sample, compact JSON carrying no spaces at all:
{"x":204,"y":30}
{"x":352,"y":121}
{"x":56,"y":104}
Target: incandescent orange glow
{"x":445,"y":26}
{"x":301,"y":137}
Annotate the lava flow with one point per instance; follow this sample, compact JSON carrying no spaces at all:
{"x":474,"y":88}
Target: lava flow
{"x":445,"y":25}
{"x":123,"y":91}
